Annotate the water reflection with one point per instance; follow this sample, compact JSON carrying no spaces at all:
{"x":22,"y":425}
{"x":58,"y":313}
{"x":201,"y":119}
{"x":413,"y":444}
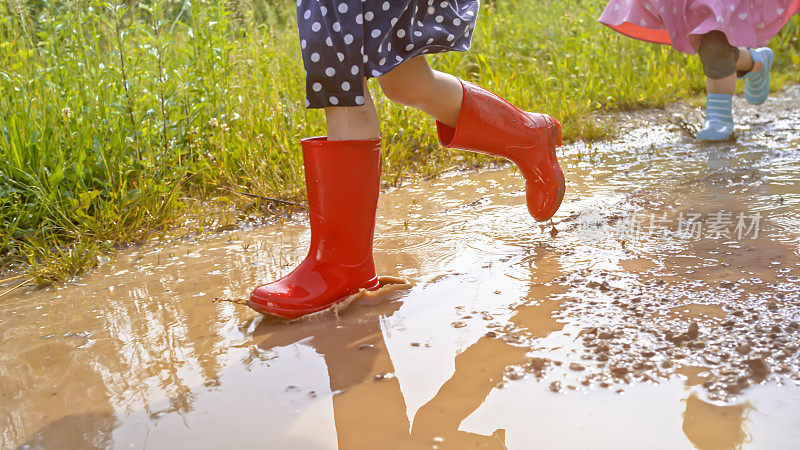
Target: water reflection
{"x":712,"y":427}
{"x":368,"y":405}
{"x":78,"y":431}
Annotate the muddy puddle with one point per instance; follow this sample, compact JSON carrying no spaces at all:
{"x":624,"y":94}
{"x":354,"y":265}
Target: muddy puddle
{"x":659,"y":310}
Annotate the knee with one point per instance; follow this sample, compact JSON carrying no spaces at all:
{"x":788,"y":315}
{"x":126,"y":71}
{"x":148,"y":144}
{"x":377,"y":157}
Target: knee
{"x":717,"y":55}
{"x":405,"y":91}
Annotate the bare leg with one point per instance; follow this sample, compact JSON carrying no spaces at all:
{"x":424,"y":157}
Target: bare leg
{"x":721,"y":85}
{"x":745,"y":62}
{"x":727,"y":85}
{"x":353,"y":122}
{"x":415,"y":84}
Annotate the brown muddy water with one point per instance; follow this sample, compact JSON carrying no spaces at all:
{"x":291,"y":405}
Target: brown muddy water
{"x":660,"y":311}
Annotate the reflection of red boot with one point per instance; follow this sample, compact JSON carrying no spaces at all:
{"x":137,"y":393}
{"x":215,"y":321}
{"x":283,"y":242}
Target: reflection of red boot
{"x":488,"y":124}
{"x":342,"y":181}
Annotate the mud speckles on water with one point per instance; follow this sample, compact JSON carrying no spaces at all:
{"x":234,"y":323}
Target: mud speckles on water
{"x":739,"y":347}
{"x":576,"y":367}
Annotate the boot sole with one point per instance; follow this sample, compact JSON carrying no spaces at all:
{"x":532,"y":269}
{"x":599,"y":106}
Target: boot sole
{"x":294,"y":314}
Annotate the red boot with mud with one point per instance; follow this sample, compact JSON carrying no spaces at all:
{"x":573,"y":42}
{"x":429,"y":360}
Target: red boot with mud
{"x":342,"y":182}
{"x":490,"y":125}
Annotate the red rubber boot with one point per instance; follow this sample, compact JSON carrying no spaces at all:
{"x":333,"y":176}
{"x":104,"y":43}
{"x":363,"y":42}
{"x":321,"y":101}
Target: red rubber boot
{"x":342,"y":182}
{"x":489,"y":124}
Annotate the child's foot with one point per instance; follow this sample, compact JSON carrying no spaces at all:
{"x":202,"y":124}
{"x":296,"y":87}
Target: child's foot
{"x":756,"y":89}
{"x":719,"y":118}
{"x":490,"y":125}
{"x":342,"y":182}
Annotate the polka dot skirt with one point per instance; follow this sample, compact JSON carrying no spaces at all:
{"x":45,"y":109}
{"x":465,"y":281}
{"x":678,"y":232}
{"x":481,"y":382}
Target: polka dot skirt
{"x":345,"y":41}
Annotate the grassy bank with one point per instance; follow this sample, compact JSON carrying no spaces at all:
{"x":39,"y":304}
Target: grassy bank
{"x":117,"y":119}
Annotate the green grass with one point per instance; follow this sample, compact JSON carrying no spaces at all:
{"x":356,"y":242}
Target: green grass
{"x":120,"y":122}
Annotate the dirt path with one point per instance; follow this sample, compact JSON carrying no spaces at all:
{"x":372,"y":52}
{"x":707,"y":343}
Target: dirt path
{"x":661,"y":311}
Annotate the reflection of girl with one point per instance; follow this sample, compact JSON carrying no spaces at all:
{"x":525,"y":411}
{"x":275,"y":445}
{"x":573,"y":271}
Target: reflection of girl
{"x":344,"y":42}
{"x":723,"y":33}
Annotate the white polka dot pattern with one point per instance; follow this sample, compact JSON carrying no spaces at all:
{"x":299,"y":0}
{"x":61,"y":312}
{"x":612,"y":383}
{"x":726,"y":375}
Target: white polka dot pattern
{"x":344,"y":41}
{"x":681,"y":23}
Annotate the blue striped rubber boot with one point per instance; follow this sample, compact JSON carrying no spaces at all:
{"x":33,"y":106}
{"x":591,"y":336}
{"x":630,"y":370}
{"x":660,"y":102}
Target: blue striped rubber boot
{"x":756,"y":89}
{"x":719,"y":118}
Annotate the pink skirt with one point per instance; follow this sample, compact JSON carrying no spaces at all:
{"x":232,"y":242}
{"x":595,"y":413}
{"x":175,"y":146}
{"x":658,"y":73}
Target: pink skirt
{"x":681,"y":23}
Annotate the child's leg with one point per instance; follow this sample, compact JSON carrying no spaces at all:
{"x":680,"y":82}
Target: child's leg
{"x":354,"y":122}
{"x":754,"y":66}
{"x":719,"y":60}
{"x":415,"y":84}
{"x":472,"y":118}
{"x":744,"y":64}
{"x":342,"y":182}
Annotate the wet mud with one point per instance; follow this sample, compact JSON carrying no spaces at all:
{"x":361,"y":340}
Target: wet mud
{"x":659,"y":309}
